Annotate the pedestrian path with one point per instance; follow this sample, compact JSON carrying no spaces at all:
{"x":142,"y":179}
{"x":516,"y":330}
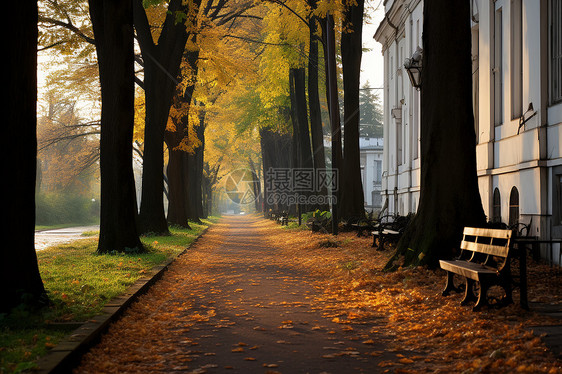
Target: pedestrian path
{"x":231,"y":305}
{"x":47,"y":238}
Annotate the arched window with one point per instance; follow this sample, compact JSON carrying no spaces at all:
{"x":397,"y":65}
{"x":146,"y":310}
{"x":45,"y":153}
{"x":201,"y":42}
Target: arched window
{"x":513,"y":206}
{"x":496,"y":207}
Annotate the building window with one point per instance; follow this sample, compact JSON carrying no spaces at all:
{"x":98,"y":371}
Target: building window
{"x":475,"y":80}
{"x":513,"y":206}
{"x":516,"y":59}
{"x":558,"y":201}
{"x":378,"y":172}
{"x":496,"y":207}
{"x":556,"y":229}
{"x":555,"y":51}
{"x":497,"y":70}
{"x":376,"y":199}
{"x":399,"y":142}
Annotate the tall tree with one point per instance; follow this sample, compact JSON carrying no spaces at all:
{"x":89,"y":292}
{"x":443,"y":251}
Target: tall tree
{"x":302,"y":150}
{"x":334,"y":109}
{"x":449,"y":195}
{"x":370,"y":112}
{"x":180,"y":141}
{"x":352,"y":203}
{"x":113,"y":29}
{"x":195,"y":168}
{"x":315,"y":111}
{"x":276,"y":149}
{"x":161,"y":67}
{"x":19,"y":272}
{"x":177,"y":176}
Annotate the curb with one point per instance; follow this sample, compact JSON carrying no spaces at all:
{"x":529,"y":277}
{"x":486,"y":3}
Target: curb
{"x":67,"y":354}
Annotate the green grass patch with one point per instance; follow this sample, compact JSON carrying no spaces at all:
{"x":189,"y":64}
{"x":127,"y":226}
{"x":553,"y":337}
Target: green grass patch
{"x":55,"y":227}
{"x":90,"y":233}
{"x":79,"y":283}
{"x":295,"y":226}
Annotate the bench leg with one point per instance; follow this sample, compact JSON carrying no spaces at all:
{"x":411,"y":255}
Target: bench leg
{"x":482,"y":299}
{"x":380,"y":247}
{"x":469,"y":292}
{"x":450,"y":285}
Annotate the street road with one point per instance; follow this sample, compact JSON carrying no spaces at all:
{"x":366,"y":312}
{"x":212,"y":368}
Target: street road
{"x":47,"y":238}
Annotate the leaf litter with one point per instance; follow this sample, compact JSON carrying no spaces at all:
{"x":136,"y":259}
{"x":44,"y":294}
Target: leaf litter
{"x":420,"y":330}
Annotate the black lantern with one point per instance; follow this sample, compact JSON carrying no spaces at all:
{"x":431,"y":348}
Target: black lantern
{"x":413,"y":66}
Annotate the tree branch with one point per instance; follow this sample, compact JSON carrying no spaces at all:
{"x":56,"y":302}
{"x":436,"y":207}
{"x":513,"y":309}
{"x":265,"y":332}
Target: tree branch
{"x":69,"y":26}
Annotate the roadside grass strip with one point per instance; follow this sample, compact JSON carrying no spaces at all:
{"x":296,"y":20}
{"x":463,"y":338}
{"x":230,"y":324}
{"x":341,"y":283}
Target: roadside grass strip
{"x":79,"y":282}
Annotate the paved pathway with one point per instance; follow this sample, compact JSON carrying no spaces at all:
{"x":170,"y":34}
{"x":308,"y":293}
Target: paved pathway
{"x":231,"y":304}
{"x":47,"y":238}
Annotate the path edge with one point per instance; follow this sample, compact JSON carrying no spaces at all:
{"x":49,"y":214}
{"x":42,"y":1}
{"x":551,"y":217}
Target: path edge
{"x":67,"y":354}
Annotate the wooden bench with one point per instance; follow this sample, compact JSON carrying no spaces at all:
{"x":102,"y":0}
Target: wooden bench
{"x":282,"y":218}
{"x":390,"y":228}
{"x":383,"y":236}
{"x":362,"y":227}
{"x":484,"y":262}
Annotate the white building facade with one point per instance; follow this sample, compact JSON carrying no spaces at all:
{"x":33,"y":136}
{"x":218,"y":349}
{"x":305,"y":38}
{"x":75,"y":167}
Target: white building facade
{"x":371,"y":153}
{"x":517,"y":88}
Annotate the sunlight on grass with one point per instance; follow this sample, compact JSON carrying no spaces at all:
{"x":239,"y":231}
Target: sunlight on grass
{"x":79,"y":282}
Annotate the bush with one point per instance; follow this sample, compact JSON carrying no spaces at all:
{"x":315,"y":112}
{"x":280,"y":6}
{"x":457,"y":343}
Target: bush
{"x":56,"y":208}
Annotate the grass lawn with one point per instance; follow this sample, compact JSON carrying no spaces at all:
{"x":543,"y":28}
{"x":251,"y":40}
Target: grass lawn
{"x":79,"y":283}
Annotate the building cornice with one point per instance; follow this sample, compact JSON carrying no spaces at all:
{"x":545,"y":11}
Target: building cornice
{"x":393,"y":24}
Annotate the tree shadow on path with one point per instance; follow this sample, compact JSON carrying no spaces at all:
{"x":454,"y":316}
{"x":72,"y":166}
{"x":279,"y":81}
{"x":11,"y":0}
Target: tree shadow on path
{"x":232,"y":304}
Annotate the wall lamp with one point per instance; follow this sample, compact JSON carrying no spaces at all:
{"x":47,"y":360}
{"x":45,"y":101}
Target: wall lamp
{"x":413,"y":66}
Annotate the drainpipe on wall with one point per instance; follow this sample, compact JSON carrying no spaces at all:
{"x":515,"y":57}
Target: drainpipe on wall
{"x":545,"y":221}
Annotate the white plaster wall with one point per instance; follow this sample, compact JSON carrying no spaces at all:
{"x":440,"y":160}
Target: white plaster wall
{"x":514,"y":150}
{"x":531,"y":58}
{"x":485,"y":194}
{"x":485,"y":81}
{"x":528,"y":185}
{"x":554,"y":136}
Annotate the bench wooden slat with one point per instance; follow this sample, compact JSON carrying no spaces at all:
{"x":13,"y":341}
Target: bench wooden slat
{"x":467,"y":269}
{"x":490,"y":233}
{"x":390,"y":232}
{"x":489,"y":249}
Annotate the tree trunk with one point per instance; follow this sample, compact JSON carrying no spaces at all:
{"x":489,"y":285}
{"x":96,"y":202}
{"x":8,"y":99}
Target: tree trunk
{"x":179,"y":173}
{"x":256,"y":185}
{"x":113,"y":29}
{"x":317,"y":135}
{"x":161,"y":68}
{"x":276,"y":151}
{"x":177,"y":179}
{"x":449,"y":196}
{"x":195,"y":167}
{"x":210,"y":180}
{"x":19,"y":273}
{"x":352,"y":199}
{"x":301,"y":135}
{"x":152,"y":218}
{"x":333,"y":106}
